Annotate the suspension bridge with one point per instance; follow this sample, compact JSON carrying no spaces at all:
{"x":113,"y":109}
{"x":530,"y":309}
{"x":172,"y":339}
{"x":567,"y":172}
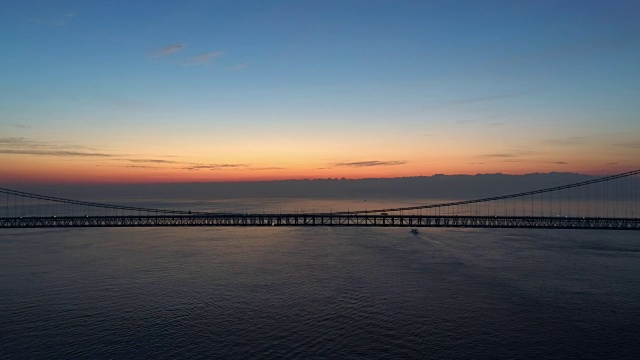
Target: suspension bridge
{"x":609,"y":202}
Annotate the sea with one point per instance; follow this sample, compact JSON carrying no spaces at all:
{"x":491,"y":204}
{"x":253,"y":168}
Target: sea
{"x":318,"y":293}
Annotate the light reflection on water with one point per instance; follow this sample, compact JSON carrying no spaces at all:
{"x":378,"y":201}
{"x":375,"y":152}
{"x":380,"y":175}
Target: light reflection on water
{"x":318,"y":293}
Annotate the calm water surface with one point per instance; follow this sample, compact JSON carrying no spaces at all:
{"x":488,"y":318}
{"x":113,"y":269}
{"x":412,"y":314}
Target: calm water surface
{"x":319,"y":293}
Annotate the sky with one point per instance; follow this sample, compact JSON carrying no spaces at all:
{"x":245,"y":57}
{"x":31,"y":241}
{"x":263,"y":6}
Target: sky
{"x":244,"y":90}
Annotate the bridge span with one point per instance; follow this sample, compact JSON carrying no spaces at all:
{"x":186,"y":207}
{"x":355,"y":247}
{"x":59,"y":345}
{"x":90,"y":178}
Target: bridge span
{"x":610,"y":202}
{"x":324,"y":220}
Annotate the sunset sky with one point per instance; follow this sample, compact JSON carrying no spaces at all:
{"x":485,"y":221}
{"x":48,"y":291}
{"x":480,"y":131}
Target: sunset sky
{"x":171,"y":91}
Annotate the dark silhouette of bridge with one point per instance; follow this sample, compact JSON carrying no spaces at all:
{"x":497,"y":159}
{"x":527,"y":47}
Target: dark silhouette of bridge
{"x":610,"y":202}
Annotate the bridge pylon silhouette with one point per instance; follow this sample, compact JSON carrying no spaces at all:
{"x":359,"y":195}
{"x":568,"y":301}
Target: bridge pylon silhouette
{"x":610,"y":202}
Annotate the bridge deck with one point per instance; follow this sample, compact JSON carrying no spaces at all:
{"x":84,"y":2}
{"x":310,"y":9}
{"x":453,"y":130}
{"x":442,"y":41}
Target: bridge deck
{"x":323,"y":220}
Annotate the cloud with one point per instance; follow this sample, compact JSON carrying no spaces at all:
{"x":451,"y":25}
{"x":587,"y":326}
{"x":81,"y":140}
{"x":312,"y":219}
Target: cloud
{"x":157,"y":164}
{"x":146,"y":167}
{"x":155,"y":161}
{"x":14,"y":141}
{"x":570,"y":141}
{"x":24,"y":143}
{"x":509,"y":154}
{"x":52,"y":153}
{"x":23,"y":146}
{"x":561,"y":163}
{"x":205,"y":58}
{"x":629,"y":144}
{"x":500,"y":155}
{"x":56,"y":21}
{"x":215,"y":166}
{"x":240,"y":66}
{"x":169,"y":50}
{"x":21,"y":142}
{"x":266,"y":168}
{"x":370,"y":163}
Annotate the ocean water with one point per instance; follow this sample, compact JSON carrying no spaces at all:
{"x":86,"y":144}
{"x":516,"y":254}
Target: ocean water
{"x":319,"y":293}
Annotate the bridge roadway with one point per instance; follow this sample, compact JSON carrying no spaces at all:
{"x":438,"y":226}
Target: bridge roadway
{"x":323,"y":220}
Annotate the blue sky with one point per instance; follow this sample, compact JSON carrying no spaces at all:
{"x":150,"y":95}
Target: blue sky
{"x":288,"y":85}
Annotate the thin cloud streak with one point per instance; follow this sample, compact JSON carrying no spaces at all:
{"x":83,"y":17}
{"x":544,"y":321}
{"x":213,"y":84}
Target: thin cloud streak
{"x":53,"y":153}
{"x":13,"y":141}
{"x":157,"y":164}
{"x":23,"y":146}
{"x":205,"y":58}
{"x":499,"y":155}
{"x":215,"y":166}
{"x":370,"y":163}
{"x":21,"y":142}
{"x":146,"y":167}
{"x":511,"y":154}
{"x":266,"y":168}
{"x":629,"y":144}
{"x":570,"y":141}
{"x":169,"y":50}
{"x":155,"y":161}
{"x":240,"y":66}
{"x":55,"y":21}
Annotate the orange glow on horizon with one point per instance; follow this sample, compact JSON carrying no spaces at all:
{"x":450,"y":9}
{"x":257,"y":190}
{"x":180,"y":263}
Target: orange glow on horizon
{"x":41,"y":170}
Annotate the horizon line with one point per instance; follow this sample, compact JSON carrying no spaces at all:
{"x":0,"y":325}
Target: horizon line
{"x":44,"y":183}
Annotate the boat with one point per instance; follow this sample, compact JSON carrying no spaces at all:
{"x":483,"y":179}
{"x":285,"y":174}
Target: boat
{"x":414,"y":231}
